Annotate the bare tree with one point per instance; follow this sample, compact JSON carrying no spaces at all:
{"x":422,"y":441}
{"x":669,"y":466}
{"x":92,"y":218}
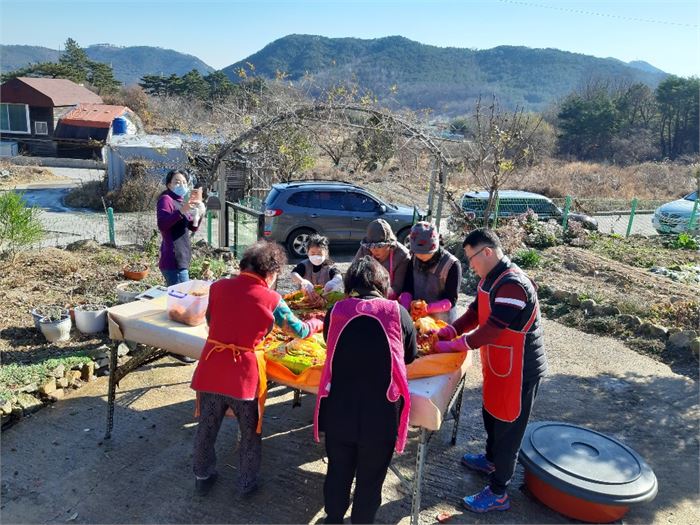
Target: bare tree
{"x":502,"y":144}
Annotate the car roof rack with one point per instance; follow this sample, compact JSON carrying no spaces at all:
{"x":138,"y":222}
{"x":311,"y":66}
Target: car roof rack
{"x":317,"y":181}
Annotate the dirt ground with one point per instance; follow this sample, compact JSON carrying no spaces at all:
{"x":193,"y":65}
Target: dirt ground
{"x":23,"y":175}
{"x":57,"y":468}
{"x":634,"y":290}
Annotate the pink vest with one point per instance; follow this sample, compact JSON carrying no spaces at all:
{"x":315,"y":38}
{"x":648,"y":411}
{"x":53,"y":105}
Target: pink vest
{"x":388,"y":315}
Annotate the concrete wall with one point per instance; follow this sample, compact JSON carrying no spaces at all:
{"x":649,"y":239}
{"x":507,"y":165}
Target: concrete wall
{"x":54,"y":162}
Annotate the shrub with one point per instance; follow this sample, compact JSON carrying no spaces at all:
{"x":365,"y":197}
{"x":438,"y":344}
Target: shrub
{"x":545,"y":235}
{"x":684,"y":241}
{"x":527,"y":258}
{"x":87,"y":195}
{"x":20,"y":226}
{"x":138,"y":192}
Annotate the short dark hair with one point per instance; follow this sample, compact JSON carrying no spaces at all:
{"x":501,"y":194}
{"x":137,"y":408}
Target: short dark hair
{"x":318,"y":241}
{"x":263,"y":258}
{"x":482,"y":237}
{"x":366,"y":275}
{"x":172,"y":173}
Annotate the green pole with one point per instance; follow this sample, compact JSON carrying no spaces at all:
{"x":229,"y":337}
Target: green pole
{"x":209,"y":218}
{"x":567,"y":207}
{"x":693,"y":216}
{"x":495,"y":211}
{"x":632,"y":212}
{"x":110,"y":226}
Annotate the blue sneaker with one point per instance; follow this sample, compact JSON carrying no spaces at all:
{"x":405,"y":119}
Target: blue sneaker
{"x":486,"y":501}
{"x":478,"y":462}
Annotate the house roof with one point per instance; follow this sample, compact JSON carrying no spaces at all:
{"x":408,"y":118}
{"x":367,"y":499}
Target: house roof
{"x":93,"y":115}
{"x":46,"y":92}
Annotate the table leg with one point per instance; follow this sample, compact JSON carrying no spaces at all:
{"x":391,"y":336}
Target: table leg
{"x":111,"y":393}
{"x":418,"y":479}
{"x":296,"y":402}
{"x":457,"y":412}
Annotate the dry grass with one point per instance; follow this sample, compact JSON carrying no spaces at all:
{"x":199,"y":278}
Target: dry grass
{"x":22,"y":175}
{"x":649,"y":180}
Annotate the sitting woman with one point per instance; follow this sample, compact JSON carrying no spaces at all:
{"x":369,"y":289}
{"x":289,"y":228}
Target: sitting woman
{"x":230,"y":374}
{"x":317,"y":269}
{"x":365,"y":414}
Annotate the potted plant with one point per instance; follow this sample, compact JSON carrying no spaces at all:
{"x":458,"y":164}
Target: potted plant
{"x":127,"y":291}
{"x":47,"y":310}
{"x":56,"y":326}
{"x":135,"y":270}
{"x":91,"y":318}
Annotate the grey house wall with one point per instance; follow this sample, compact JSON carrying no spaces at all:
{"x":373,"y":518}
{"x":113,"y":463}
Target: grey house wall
{"x":162,"y":160}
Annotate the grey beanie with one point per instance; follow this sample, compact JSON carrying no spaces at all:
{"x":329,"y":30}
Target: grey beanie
{"x":424,"y":238}
{"x":379,"y":235}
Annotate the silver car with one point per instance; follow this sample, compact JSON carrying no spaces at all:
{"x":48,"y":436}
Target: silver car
{"x":674,"y":217}
{"x":340,"y":211}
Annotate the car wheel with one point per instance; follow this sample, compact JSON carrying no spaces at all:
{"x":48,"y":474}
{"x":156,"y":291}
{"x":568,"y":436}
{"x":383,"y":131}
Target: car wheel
{"x":296,"y":242}
{"x":402,"y":237}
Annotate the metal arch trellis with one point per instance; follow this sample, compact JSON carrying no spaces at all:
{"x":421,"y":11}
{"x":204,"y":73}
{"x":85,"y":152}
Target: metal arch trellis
{"x":441,"y":165}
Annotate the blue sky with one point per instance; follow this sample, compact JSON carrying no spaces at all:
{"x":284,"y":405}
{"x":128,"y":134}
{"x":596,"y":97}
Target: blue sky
{"x":664,"y":33}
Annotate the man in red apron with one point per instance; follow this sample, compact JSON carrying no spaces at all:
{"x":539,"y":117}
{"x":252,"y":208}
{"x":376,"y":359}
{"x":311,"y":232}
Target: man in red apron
{"x":504,"y":323}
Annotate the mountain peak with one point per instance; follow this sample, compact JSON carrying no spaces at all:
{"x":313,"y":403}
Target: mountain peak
{"x":447,"y":79}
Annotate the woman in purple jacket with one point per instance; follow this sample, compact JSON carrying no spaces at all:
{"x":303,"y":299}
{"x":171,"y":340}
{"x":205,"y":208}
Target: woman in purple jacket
{"x":176,"y":219}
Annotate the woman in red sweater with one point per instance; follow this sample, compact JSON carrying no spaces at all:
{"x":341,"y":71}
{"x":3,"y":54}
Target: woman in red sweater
{"x":230,"y":374}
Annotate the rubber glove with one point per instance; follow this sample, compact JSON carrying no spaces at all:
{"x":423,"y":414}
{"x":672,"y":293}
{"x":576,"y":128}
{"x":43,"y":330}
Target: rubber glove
{"x":439,"y":306}
{"x":314,"y":325}
{"x":455,"y":345}
{"x":447,"y":333}
{"x":405,"y":300}
{"x":334,"y":285}
{"x":303,"y":284}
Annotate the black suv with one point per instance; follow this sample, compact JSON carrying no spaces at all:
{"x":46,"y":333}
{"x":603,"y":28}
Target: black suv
{"x":338,"y":210}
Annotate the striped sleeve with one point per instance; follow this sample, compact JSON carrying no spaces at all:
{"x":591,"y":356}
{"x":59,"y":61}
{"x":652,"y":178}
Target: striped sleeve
{"x":290,"y":323}
{"x":509,"y":302}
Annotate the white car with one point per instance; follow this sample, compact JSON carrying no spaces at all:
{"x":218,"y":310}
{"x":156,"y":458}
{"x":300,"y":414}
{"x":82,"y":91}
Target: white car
{"x":673,"y":217}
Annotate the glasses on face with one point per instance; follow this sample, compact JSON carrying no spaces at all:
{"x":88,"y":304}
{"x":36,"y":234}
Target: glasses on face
{"x":469,"y":259}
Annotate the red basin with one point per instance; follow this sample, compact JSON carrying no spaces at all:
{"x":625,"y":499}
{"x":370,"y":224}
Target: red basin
{"x":572,"y":506}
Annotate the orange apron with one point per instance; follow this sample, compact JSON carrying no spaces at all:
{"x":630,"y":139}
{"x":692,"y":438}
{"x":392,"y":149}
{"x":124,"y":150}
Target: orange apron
{"x":502,"y":362}
{"x":262,"y":374}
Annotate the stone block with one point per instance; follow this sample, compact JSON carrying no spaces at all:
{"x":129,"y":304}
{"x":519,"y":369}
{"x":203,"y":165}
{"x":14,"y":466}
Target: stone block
{"x":560,"y":295}
{"x":6,"y":407}
{"x":73,"y":377}
{"x":695,"y":347}
{"x":28,"y":403}
{"x":588,"y":305}
{"x":57,"y":394}
{"x":122,"y":349}
{"x":62,"y":382}
{"x":653,"y":331}
{"x":573,"y":299}
{"x":681,"y":340}
{"x":88,"y":372}
{"x":102,"y":363}
{"x":59,"y":371}
{"x":48,"y":387}
{"x":631,"y":321}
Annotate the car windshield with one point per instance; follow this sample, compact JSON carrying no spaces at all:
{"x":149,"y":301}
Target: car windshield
{"x":692,"y":197}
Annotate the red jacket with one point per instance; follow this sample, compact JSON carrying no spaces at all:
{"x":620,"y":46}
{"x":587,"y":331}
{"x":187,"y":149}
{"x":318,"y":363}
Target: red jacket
{"x":240,"y":313}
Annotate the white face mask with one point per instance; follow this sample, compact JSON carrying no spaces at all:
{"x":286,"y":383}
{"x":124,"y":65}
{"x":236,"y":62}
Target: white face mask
{"x":317,"y":260}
